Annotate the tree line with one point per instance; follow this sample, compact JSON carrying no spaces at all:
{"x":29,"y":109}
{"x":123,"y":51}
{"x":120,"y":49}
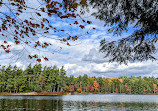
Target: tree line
{"x":54,"y":79}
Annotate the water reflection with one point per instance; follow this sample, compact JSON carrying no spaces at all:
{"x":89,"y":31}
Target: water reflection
{"x":71,"y":103}
{"x":30,"y":105}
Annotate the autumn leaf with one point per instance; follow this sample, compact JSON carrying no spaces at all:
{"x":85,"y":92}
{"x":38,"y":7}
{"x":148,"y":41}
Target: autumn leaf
{"x":82,"y":27}
{"x":42,"y":26}
{"x":5,"y":42}
{"x":7,"y":51}
{"x":83,"y":2}
{"x":74,"y":38}
{"x":17,"y":14}
{"x":64,"y":40}
{"x":69,"y":38}
{"x":38,"y":43}
{"x":12,"y":3}
{"x":30,"y":56}
{"x":26,"y":21}
{"x":68,"y":44}
{"x":38,"y":60}
{"x":42,"y":9}
{"x":46,"y":43}
{"x":75,"y":5}
{"x":47,"y":28}
{"x":38,"y":14}
{"x":75,"y":22}
{"x":20,"y":11}
{"x":45,"y":58}
{"x":8,"y":46}
{"x":89,"y":22}
{"x":17,"y":42}
{"x":35,"y":56}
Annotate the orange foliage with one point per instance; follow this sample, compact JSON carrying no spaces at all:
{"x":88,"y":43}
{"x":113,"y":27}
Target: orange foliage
{"x":79,"y":90}
{"x":96,"y":85}
{"x":121,"y":80}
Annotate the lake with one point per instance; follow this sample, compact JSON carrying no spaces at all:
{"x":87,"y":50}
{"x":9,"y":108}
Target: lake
{"x":95,"y":102}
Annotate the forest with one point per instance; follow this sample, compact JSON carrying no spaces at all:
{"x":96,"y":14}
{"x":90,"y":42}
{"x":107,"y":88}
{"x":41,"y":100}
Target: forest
{"x":54,"y":79}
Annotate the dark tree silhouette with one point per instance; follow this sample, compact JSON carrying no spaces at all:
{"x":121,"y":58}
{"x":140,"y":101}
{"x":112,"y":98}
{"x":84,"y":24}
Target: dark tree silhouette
{"x":142,"y":16}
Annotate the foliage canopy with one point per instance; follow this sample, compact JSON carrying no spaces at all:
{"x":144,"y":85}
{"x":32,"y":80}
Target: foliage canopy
{"x":22,"y":23}
{"x":140,"y":16}
{"x":122,"y":15}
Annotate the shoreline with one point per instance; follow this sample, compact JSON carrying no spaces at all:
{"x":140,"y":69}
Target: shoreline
{"x":61,"y":94}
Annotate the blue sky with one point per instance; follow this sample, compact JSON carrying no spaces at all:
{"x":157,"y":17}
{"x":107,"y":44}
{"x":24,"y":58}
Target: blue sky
{"x":83,"y":56}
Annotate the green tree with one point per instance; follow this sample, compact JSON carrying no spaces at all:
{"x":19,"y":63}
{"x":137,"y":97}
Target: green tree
{"x":100,"y":82}
{"x":3,"y":79}
{"x":62,"y":78}
{"x":85,"y":82}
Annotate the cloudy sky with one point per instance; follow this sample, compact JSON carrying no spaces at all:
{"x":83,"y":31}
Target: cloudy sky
{"x":83,"y":56}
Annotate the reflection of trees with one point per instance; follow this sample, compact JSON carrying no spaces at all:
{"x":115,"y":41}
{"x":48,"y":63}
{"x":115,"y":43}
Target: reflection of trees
{"x":30,"y":105}
{"x":59,"y":105}
{"x":122,"y":106}
{"x":95,"y":104}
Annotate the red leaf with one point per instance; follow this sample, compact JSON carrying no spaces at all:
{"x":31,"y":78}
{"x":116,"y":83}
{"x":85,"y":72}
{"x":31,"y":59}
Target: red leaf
{"x":8,"y":46}
{"x":35,"y":56}
{"x":42,"y":25}
{"x":12,"y":3}
{"x":38,"y":43}
{"x":17,"y":42}
{"x":46,"y":43}
{"x":38,"y":60}
{"x":42,"y":9}
{"x":38,"y":14}
{"x":7,"y":51}
{"x":81,"y":26}
{"x":89,"y":22}
{"x":26,"y":21}
{"x":75,"y":22}
{"x":45,"y":58}
{"x":2,"y":46}
{"x":30,"y":56}
{"x":68,"y":44}
{"x":17,"y":14}
{"x":5,"y":42}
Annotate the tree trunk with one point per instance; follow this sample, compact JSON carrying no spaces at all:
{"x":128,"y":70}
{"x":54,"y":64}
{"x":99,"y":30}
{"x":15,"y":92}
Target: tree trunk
{"x":113,"y":88}
{"x":120,"y":88}
{"x":58,"y":89}
{"x":53,"y":88}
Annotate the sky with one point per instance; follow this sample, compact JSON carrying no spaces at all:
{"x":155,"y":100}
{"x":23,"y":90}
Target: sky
{"x":83,"y":57}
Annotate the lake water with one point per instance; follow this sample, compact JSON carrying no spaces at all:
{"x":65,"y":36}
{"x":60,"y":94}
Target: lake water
{"x":101,"y":102}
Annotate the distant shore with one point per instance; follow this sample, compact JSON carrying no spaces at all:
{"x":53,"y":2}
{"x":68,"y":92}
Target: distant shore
{"x":61,"y":93}
{"x":36,"y":93}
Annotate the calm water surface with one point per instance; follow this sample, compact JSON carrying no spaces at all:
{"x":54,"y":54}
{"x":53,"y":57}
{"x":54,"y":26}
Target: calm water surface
{"x":108,"y":102}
